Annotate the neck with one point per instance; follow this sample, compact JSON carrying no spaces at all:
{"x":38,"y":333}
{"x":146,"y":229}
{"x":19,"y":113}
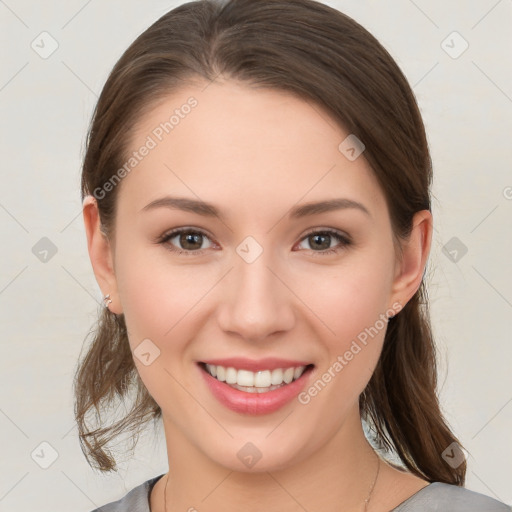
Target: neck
{"x":338,"y":476}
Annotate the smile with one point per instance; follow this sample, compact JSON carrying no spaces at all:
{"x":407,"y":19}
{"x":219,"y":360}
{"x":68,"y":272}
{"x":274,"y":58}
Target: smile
{"x":270,"y":385}
{"x":254,"y":382}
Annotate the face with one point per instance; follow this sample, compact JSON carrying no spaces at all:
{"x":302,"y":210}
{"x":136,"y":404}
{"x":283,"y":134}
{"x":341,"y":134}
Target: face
{"x":262,"y":284}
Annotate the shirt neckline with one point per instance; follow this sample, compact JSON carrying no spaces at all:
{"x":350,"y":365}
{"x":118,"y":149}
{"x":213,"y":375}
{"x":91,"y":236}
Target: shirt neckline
{"x":413,"y":496}
{"x":153,"y":482}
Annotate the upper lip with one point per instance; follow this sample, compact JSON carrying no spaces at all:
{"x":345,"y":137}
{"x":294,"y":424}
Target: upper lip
{"x":253,"y":365}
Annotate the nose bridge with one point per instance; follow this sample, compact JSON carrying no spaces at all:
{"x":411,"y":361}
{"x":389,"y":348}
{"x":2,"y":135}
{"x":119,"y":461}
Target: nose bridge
{"x":256,"y":302}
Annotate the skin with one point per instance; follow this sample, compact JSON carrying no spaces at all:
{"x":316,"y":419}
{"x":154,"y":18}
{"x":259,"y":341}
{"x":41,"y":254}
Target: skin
{"x":256,"y":153}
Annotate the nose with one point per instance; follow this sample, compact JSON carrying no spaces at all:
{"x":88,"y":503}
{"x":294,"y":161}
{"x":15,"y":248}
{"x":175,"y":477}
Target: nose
{"x":256,"y":301}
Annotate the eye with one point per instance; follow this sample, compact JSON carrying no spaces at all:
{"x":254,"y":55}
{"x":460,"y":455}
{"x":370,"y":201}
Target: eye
{"x":189,"y":239}
{"x":321,"y":239}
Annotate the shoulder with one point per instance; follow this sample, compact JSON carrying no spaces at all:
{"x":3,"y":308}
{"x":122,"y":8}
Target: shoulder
{"x":439,"y":497}
{"x":137,"y":500}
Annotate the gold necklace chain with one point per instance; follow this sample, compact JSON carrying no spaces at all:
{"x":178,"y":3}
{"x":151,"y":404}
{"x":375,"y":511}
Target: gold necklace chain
{"x":366,"y":501}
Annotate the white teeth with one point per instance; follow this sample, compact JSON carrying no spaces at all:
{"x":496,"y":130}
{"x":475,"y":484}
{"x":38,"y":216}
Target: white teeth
{"x":297,"y":373}
{"x":212,"y":369}
{"x":277,"y":376}
{"x":255,"y":382}
{"x":254,"y":389}
{"x":263,"y":379}
{"x":231,"y":376}
{"x":288,"y":375}
{"x":244,"y":378}
{"x":221,"y":373}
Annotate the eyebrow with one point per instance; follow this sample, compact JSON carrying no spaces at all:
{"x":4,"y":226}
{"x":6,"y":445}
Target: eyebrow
{"x":209,"y":210}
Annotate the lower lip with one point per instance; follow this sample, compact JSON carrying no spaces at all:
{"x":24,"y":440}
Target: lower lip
{"x":254,"y":403}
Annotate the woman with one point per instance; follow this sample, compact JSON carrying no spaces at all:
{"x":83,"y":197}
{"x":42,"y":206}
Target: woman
{"x":257,"y":209}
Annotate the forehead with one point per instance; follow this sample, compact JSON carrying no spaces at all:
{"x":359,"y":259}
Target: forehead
{"x":234,"y":143}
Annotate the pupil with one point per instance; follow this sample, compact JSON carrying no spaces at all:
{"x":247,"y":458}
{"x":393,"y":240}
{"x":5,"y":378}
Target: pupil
{"x":187,"y":237}
{"x":315,"y":237}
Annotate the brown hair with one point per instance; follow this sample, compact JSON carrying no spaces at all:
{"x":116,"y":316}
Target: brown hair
{"x":325,"y":57}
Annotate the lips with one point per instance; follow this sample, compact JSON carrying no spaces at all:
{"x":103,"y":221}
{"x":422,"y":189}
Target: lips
{"x":255,"y":401}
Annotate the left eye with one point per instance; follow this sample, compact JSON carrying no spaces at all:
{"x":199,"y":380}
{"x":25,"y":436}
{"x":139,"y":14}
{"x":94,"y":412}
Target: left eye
{"x":191,"y":241}
{"x":319,"y":238}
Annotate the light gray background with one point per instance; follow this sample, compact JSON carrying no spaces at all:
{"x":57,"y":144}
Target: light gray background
{"x":48,"y":307}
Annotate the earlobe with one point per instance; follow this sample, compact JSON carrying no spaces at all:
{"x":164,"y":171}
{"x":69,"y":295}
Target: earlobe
{"x":410,"y":270}
{"x":100,"y":253}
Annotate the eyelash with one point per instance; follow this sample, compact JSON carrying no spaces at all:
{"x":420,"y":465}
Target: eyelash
{"x":343,"y":239}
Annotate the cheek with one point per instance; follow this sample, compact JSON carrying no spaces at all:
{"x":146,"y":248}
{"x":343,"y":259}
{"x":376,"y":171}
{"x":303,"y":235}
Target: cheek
{"x":160,"y":299}
{"x":350,"y":297}
{"x":354,"y":308}
{"x":158,"y":305}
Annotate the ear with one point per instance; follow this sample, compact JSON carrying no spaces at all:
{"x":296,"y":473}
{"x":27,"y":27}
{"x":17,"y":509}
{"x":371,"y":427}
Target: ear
{"x":410,"y":266}
{"x":100,"y":253}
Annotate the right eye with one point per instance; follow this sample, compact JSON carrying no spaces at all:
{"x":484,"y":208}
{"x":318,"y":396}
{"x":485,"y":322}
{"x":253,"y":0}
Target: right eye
{"x":188,"y":238}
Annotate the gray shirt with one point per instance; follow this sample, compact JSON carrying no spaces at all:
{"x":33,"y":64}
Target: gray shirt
{"x":435,"y":497}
